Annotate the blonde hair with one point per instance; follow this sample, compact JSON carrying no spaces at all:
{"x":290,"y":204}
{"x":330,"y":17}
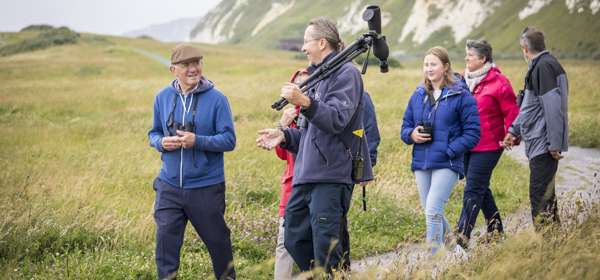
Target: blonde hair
{"x":442,"y":54}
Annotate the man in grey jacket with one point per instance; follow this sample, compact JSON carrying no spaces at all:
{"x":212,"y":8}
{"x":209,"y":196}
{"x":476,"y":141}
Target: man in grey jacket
{"x":542,"y":124}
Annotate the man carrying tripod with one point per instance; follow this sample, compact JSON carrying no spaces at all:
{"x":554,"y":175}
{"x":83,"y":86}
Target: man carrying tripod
{"x":325,"y":144}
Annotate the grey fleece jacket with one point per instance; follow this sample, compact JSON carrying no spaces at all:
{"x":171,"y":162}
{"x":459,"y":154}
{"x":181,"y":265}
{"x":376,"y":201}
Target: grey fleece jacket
{"x":543,"y":121}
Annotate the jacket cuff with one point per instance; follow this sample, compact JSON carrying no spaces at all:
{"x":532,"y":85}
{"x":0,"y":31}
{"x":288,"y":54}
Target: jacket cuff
{"x":286,"y":139}
{"x":159,"y":146}
{"x":198,"y":141}
{"x":513,"y":131}
{"x":311,"y":110}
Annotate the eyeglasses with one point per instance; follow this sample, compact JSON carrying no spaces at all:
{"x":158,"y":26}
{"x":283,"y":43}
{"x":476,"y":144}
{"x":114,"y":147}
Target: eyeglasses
{"x":307,"y":41}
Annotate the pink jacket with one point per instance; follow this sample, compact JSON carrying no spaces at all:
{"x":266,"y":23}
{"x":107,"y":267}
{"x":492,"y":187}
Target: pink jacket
{"x":497,"y":105}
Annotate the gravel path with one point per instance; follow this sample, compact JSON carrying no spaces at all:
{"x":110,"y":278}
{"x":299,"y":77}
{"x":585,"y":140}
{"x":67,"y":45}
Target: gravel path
{"x":577,"y":188}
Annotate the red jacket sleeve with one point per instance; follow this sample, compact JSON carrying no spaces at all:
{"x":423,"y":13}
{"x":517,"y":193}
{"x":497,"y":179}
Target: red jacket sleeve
{"x":508,"y":104}
{"x":281,"y":153}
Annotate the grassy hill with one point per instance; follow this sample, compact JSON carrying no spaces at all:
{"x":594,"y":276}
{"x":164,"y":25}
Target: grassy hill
{"x":76,"y":168}
{"x":570,"y":33}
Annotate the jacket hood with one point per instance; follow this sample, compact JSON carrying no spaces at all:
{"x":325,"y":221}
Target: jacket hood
{"x":203,"y":86}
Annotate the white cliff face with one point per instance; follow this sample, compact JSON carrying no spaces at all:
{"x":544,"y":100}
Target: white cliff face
{"x":462,"y":16}
{"x":214,"y":28}
{"x":533,"y":6}
{"x":594,"y":6}
{"x":277,"y":9}
{"x":351,"y":22}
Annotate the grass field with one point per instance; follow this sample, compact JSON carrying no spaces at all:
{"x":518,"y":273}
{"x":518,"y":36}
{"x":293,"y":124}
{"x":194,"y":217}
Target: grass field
{"x":76,"y":168}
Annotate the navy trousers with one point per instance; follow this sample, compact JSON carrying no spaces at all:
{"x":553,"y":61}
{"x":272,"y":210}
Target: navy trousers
{"x":204,"y":208}
{"x":478,"y":195}
{"x":313,"y":220}
{"x":345,"y":237}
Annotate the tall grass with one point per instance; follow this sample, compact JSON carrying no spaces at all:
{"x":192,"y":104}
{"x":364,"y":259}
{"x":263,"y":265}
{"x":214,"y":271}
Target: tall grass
{"x":75,"y":166}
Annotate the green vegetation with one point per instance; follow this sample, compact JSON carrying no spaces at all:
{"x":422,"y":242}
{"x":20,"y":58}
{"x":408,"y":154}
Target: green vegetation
{"x":373,"y":61}
{"x":567,"y":253}
{"x":76,"y":169}
{"x":47,"y":36}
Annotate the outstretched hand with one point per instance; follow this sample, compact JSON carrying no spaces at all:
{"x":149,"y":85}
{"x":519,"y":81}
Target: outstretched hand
{"x":269,"y":138}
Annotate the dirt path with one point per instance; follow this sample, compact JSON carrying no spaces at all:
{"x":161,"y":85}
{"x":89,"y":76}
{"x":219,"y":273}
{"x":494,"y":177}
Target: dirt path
{"x":578,"y":183}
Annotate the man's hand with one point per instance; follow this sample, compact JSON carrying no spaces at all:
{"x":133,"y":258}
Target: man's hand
{"x":419,"y":137}
{"x":364,"y":184}
{"x":509,"y":141}
{"x":187,"y":139}
{"x":269,"y":138}
{"x":556,"y":155}
{"x":288,"y":116}
{"x":170,"y":143}
{"x":292,"y":93}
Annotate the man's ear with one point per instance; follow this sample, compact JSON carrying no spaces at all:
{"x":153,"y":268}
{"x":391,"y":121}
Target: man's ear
{"x":322,"y":44}
{"x":172,"y":69}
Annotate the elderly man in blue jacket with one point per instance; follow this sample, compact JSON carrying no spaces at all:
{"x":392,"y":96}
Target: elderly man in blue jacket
{"x":192,"y":128}
{"x":324,"y":147}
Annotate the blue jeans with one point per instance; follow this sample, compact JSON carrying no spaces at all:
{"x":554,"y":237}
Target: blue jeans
{"x":435,"y":187}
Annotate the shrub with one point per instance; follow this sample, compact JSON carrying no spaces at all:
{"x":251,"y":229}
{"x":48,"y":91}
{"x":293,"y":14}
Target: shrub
{"x":392,"y":62}
{"x":45,"y":39}
{"x":37,"y":27}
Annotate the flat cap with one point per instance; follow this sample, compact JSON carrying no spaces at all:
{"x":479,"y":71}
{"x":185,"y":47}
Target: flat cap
{"x":184,"y":52}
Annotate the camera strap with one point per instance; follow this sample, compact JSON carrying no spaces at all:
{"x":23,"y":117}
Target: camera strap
{"x":193,"y":106}
{"x":359,"y":152}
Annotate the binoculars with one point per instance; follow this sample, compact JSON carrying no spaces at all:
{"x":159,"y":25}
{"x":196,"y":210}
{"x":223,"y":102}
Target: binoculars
{"x":426,"y":128}
{"x":188,"y":127}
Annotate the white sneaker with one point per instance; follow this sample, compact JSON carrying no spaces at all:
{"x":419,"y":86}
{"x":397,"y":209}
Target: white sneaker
{"x":460,"y":254}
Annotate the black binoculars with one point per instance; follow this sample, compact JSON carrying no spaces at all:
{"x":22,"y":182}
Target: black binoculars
{"x":426,"y":128}
{"x":188,"y":127}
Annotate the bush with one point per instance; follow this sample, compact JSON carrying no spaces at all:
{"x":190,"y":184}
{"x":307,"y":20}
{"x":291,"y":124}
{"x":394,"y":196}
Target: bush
{"x":45,"y":39}
{"x":37,"y":27}
{"x":145,"y":37}
{"x":392,"y":62}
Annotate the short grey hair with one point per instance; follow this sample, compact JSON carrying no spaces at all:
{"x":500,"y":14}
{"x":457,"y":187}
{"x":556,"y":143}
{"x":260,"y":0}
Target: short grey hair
{"x":325,"y":28}
{"x":533,"y":39}
{"x":482,"y":48}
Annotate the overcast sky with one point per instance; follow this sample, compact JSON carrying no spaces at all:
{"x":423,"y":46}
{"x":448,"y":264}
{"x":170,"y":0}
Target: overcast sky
{"x":98,"y":16}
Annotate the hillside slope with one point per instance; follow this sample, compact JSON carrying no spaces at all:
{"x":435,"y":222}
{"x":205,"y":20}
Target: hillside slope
{"x":411,"y":26}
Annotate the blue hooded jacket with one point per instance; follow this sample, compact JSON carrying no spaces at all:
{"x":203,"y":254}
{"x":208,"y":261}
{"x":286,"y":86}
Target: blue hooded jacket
{"x":325,"y":147}
{"x":455,"y":121}
{"x":201,"y":165}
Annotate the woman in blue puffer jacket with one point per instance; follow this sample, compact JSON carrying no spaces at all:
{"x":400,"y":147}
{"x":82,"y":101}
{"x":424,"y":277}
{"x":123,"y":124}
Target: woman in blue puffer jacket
{"x":441,"y":121}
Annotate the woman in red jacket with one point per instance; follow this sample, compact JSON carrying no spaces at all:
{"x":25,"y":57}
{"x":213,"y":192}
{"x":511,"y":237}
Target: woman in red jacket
{"x":497,"y":107}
